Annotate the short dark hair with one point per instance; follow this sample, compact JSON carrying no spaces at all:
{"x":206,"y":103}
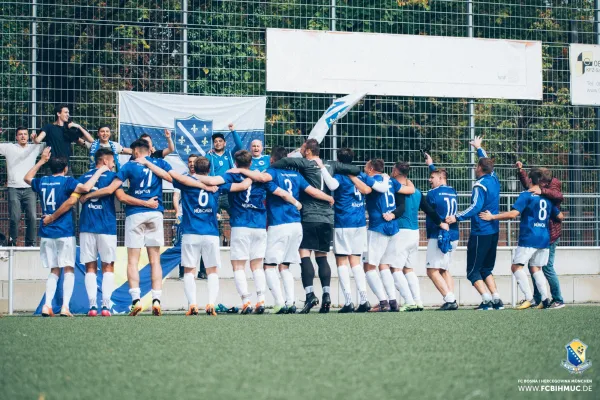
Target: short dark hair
{"x":535,"y":175}
{"x":402,"y":167}
{"x":277,"y":153}
{"x":442,"y":172}
{"x":101,"y":153}
{"x":140,"y":143}
{"x":486,"y":164}
{"x":345,"y":155}
{"x":243,"y":158}
{"x":217,"y":135}
{"x":193,"y":155}
{"x":21,"y":128}
{"x":313,"y":146}
{"x":202,"y":165}
{"x":144,"y":135}
{"x":103,"y":126}
{"x":378,"y":164}
{"x":547,"y":175}
{"x":58,"y":109}
{"x":57,"y":164}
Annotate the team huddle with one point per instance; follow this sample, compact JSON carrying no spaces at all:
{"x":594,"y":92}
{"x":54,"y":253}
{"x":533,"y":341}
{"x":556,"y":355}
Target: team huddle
{"x":281,"y":211}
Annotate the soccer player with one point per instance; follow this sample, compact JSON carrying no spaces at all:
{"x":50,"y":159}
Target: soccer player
{"x":200,"y":234}
{"x":405,"y":278}
{"x":260,"y":161}
{"x":179,"y":213}
{"x":550,"y":187}
{"x":382,"y":237}
{"x":350,"y":231}
{"x":534,"y":238}
{"x":443,"y":199}
{"x":483,"y":240}
{"x":285,"y":230}
{"x":317,"y":218}
{"x":57,"y":245}
{"x":98,"y":230}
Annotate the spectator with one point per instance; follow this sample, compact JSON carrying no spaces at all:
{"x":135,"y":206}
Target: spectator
{"x":104,"y":141}
{"x":20,"y":158}
{"x":60,"y":134}
{"x":154,"y":153}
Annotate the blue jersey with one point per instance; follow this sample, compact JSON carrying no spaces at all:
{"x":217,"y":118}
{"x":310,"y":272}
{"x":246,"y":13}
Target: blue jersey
{"x":349,"y":206}
{"x":53,"y":191}
{"x":260,"y":163}
{"x":485,"y":197}
{"x":199,"y":210}
{"x":98,"y":215}
{"x":445,"y":202}
{"x":219,"y":164}
{"x":247,"y":208}
{"x":381,"y":203}
{"x":410,"y":218}
{"x":143,"y":184}
{"x":536,"y":211}
{"x":280,"y":211}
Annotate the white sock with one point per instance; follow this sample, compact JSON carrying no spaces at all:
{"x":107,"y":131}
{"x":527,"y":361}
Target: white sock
{"x":135,"y":293}
{"x":68,"y":285}
{"x":361,"y":282}
{"x":156,"y":293}
{"x":51,"y":289}
{"x":108,"y":286}
{"x":344,"y":277}
{"x":189,"y":287}
{"x":274,"y":285}
{"x":486,"y":297}
{"x":496,"y":297}
{"x":288,"y":286}
{"x":450,"y":298}
{"x":413,"y":283}
{"x":309,"y":289}
{"x":523,"y":283}
{"x":402,"y":286}
{"x":540,"y":282}
{"x":260,"y":283}
{"x":91,"y":288}
{"x":213,"y":287}
{"x":241,"y":284}
{"x":375,"y":284}
{"x":326,"y":289}
{"x":388,"y":283}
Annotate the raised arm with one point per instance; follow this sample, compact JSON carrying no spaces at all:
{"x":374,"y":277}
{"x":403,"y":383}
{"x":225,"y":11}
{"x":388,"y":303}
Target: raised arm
{"x":132,"y":201}
{"x":170,"y":143}
{"x":237,"y":141}
{"x":86,"y":187}
{"x":64,"y":207}
{"x":522,"y":175}
{"x":317,"y":194}
{"x":43,"y":160}
{"x":429,"y":162}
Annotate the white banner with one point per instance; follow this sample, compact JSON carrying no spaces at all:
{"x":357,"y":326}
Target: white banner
{"x":402,"y":65}
{"x":336,"y":110}
{"x":191,"y":119}
{"x":584,"y":61}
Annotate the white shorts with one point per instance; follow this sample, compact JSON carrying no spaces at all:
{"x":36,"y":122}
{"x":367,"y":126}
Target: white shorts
{"x":283,"y":242}
{"x":408,"y":252}
{"x":144,"y":230}
{"x":530,"y":256}
{"x":435,"y":257}
{"x":58,"y":253}
{"x":248,"y":244}
{"x":195,"y":246}
{"x":349,"y":241}
{"x":92,"y":244}
{"x":381,"y":249}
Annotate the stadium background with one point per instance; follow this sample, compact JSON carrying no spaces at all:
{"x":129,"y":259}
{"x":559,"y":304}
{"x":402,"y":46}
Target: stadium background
{"x":64,"y":52}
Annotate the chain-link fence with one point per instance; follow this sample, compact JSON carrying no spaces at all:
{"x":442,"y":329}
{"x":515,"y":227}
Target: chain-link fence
{"x":83,"y":53}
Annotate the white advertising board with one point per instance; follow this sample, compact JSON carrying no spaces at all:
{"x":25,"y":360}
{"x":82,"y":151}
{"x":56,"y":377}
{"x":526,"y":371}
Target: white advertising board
{"x":402,"y":65}
{"x":584,"y":60}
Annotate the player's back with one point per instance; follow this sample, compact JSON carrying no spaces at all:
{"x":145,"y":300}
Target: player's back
{"x":98,"y":215}
{"x":280,"y":211}
{"x":536,"y":212}
{"x":143,"y":183}
{"x":349,"y":206}
{"x":382,"y":203}
{"x":54,"y":191}
{"x":445,"y":202}
{"x":490,"y":189}
{"x":247,"y":208}
{"x":199,"y":210}
{"x":410,"y":218}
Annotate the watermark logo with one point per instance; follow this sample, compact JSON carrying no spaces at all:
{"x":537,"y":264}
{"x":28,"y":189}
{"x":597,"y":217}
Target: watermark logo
{"x":576,"y":361}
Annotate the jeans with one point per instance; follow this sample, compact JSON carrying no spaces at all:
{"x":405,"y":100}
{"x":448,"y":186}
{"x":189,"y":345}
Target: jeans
{"x":22,"y":199}
{"x":551,"y":276}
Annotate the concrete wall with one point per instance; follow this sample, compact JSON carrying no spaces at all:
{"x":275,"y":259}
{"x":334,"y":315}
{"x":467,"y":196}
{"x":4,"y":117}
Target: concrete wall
{"x":579,"y":270}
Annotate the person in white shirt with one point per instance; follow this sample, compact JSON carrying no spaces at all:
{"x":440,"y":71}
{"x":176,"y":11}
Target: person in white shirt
{"x":20,"y":158}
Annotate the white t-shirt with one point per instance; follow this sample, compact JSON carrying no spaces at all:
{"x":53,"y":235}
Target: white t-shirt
{"x":19,"y":160}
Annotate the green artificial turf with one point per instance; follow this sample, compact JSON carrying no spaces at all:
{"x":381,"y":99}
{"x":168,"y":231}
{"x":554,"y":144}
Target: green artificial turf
{"x":427,"y":355}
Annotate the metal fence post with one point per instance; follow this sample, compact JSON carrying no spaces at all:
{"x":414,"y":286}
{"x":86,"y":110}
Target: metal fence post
{"x":33,"y":124}
{"x":334,"y":144}
{"x":471,"y":101}
{"x":185,"y":45}
{"x":10,"y":282}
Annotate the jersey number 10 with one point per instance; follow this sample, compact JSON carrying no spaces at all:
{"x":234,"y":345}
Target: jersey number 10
{"x":451,"y":206}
